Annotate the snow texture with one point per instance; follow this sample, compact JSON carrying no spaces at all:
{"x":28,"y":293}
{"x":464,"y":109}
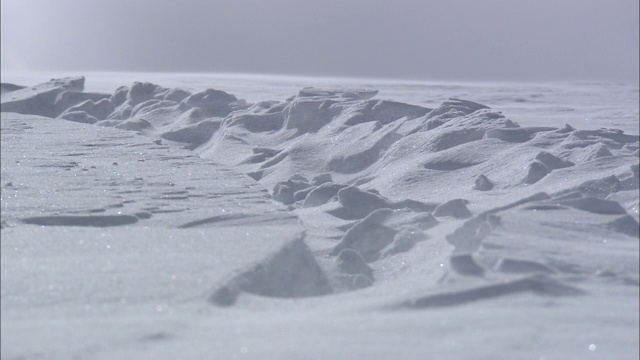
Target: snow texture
{"x":278,"y":229}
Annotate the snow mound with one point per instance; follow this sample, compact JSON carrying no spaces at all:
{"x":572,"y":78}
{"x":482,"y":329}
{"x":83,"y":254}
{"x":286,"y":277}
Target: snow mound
{"x":131,"y":125}
{"x":79,"y":116}
{"x":291,"y":272}
{"x":356,"y":203}
{"x":7,"y":87}
{"x":456,"y":208}
{"x":321,"y":194}
{"x":40,"y":99}
{"x":214,"y":103}
{"x":483,"y":183}
{"x":465,"y":265}
{"x":193,"y":135}
{"x":351,"y":262}
{"x":373,"y":234}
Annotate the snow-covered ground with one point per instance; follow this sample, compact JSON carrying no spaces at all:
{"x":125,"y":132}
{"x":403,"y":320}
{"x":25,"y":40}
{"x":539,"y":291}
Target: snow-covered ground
{"x":281,"y":217}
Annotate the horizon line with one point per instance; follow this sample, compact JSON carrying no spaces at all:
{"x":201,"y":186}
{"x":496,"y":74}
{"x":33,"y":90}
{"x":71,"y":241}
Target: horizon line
{"x":350,"y":78}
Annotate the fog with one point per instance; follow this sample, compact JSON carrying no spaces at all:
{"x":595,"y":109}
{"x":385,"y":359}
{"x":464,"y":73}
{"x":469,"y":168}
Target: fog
{"x":492,"y":40}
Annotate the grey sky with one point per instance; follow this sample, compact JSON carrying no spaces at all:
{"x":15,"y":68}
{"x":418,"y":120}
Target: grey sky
{"x":418,"y":39}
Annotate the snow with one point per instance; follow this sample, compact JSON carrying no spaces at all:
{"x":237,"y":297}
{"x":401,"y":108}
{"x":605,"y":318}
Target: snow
{"x":399,"y":220}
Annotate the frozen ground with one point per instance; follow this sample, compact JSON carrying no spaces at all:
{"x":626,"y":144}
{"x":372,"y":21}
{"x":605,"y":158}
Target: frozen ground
{"x":271,"y":221}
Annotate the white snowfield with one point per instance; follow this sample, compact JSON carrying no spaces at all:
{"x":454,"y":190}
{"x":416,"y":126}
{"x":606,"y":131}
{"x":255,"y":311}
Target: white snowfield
{"x":157,"y":223}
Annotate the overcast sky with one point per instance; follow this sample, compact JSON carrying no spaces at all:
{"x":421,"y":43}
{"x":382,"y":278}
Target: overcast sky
{"x":536,"y":40}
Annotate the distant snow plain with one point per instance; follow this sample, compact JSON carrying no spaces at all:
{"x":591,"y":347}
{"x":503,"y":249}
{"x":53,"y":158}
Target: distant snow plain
{"x":145,"y":216}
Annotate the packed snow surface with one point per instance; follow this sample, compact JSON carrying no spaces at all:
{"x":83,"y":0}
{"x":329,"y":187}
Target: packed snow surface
{"x":167,"y":222}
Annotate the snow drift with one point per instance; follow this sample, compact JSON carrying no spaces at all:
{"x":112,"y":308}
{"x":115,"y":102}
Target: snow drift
{"x":477,"y":206}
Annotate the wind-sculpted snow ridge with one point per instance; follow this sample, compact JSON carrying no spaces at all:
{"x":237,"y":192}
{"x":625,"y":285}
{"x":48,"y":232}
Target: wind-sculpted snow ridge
{"x":331,"y":212}
{"x":387,"y":175}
